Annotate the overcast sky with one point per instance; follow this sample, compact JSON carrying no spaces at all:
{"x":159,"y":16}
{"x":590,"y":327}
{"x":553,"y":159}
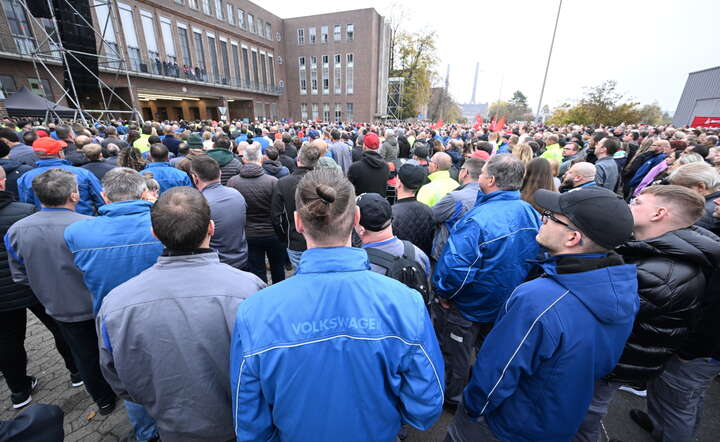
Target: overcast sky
{"x":647,"y":46}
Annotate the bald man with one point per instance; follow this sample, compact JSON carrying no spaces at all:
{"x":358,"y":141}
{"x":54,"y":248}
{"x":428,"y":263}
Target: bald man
{"x":440,"y":182}
{"x":579,"y":175}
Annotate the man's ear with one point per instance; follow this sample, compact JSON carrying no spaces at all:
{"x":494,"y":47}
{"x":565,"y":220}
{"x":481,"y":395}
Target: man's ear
{"x":356,"y":217}
{"x":153,"y":233}
{"x":298,"y":223}
{"x":105,"y":198}
{"x":211,"y":228}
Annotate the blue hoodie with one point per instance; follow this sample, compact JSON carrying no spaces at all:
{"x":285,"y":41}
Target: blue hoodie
{"x":337,"y":352}
{"x":557,"y":335}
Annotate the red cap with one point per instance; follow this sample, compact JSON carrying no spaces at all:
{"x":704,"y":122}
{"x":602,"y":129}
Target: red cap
{"x":480,"y":154}
{"x":41,"y":133}
{"x":371,"y":141}
{"x":48,"y":146}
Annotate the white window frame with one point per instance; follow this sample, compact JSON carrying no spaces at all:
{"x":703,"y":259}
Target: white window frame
{"x":337,"y":32}
{"x":219,"y":10}
{"x":301,"y":36}
{"x":312,"y":35}
{"x":324,"y":34}
{"x":350,"y":32}
{"x":230,"y":13}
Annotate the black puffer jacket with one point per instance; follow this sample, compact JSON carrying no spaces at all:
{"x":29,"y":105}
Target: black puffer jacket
{"x":673,"y":273}
{"x":12,"y":296}
{"x":413,"y":221}
{"x":282,"y":208}
{"x":257,"y":188}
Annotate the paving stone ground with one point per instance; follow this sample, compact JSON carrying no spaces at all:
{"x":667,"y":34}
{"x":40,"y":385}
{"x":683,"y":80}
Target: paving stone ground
{"x":54,"y":388}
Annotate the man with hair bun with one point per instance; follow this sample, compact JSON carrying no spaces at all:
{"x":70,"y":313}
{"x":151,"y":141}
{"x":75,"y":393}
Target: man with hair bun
{"x":192,"y":299}
{"x":356,"y":348}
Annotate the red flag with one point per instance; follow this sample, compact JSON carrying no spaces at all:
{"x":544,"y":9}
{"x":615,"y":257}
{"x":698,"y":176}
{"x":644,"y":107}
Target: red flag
{"x":478,"y":122}
{"x":492,"y":124}
{"x":437,"y":125}
{"x":500,"y":124}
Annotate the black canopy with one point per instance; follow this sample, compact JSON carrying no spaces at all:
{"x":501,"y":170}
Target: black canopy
{"x":24,"y":103}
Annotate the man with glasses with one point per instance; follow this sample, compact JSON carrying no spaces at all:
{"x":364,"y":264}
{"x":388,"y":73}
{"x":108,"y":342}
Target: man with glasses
{"x":570,"y":153}
{"x":556,"y":335}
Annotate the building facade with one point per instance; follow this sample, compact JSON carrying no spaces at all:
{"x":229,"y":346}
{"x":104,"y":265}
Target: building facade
{"x":192,"y":59}
{"x":699,"y":104}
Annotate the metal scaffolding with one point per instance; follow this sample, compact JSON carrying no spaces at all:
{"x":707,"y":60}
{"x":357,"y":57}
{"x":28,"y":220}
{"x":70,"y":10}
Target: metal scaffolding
{"x":395,"y":92}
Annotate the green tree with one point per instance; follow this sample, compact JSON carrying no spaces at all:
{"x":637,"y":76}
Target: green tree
{"x":602,"y":104}
{"x":654,"y":115}
{"x":414,"y":59}
{"x":516,"y":109}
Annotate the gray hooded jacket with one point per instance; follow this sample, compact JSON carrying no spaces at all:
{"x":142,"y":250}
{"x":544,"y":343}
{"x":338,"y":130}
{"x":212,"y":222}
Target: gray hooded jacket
{"x":165,"y":343}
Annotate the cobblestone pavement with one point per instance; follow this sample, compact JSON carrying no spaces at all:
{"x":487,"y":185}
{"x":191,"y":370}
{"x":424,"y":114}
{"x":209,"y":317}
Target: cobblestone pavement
{"x":54,"y":388}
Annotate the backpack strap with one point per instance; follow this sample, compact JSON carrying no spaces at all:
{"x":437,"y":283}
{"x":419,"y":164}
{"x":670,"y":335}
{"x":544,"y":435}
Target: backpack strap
{"x":380,"y":257}
{"x":409,"y":252}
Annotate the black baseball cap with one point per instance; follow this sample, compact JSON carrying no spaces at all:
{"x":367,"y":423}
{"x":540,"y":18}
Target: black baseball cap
{"x":375,"y":211}
{"x":412,"y":176}
{"x":597,"y":212}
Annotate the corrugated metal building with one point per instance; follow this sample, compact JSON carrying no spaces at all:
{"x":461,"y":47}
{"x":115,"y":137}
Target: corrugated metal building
{"x":700,"y":98}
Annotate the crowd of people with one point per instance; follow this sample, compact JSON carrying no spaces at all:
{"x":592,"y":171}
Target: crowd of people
{"x":328,"y":281}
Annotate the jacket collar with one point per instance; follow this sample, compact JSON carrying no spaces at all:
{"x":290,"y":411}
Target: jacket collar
{"x":712,"y":196}
{"x":498,"y":195}
{"x":161,"y":164}
{"x":439,"y":174}
{"x":333,"y":259}
{"x":188,"y":259}
{"x":121,"y":208}
{"x":51,"y":162}
{"x":212,"y":186}
{"x":406,"y":200}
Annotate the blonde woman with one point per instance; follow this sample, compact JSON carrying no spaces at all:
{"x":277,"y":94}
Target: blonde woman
{"x":523,"y":152}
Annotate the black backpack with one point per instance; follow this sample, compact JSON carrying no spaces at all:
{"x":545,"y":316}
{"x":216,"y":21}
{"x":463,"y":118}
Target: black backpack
{"x":402,"y":268}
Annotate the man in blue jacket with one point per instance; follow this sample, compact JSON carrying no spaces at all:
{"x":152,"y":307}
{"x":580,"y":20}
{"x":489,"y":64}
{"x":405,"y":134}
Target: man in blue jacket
{"x":166,"y":175}
{"x":485,"y":258}
{"x":558,"y":334}
{"x":337,"y":352}
{"x":51,"y":157}
{"x":114,"y":247}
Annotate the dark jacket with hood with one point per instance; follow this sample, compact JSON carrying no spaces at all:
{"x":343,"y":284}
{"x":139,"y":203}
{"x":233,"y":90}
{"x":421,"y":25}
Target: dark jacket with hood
{"x":370,"y":174}
{"x":229,"y":165}
{"x":708,"y":221}
{"x":257,"y":188}
{"x":75,"y":156}
{"x":12,"y":296}
{"x":13,"y":171}
{"x":673,"y":273}
{"x":275,"y":168}
{"x":282,"y":208}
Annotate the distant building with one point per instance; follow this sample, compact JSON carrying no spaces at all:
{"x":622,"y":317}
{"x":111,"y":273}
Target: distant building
{"x":700,"y":101}
{"x":188,"y":59}
{"x":470,"y":110}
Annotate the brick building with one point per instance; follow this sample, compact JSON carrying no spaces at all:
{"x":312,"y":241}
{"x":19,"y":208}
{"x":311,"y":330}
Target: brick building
{"x":187,"y":58}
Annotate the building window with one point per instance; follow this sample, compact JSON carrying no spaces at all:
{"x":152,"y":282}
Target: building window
{"x":350,"y":31}
{"x":315,"y":113}
{"x":301,"y":36}
{"x":236,"y":64}
{"x":206,"y":6}
{"x":7,"y":84}
{"x":302,"y":74}
{"x":241,"y":18}
{"x":303,"y":111}
{"x":185,"y":46}
{"x":268,"y":31}
{"x":149,"y":30}
{"x":256,"y":74}
{"x":349,"y":114}
{"x":200,"y":71}
{"x":218,"y":9}
{"x":214,"y":59}
{"x":193,"y":4}
{"x":170,"y":66}
{"x":313,"y":75}
{"x":313,"y":61}
{"x":250,"y":22}
{"x":225,"y":61}
{"x":313,"y":36}
{"x":41,"y":87}
{"x":246,"y":67}
{"x":230,"y":14}
{"x":19,"y":27}
{"x":263,"y":72}
{"x":338,"y":112}
{"x":349,"y":74}
{"x":337,"y":32}
{"x":326,"y":74}
{"x":326,"y":112}
{"x":260,"y":27}
{"x":273,"y":111}
{"x":323,"y":34}
{"x":271,"y":69}
{"x":110,"y":46}
{"x":337,"y":67}
{"x":133,"y":48}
